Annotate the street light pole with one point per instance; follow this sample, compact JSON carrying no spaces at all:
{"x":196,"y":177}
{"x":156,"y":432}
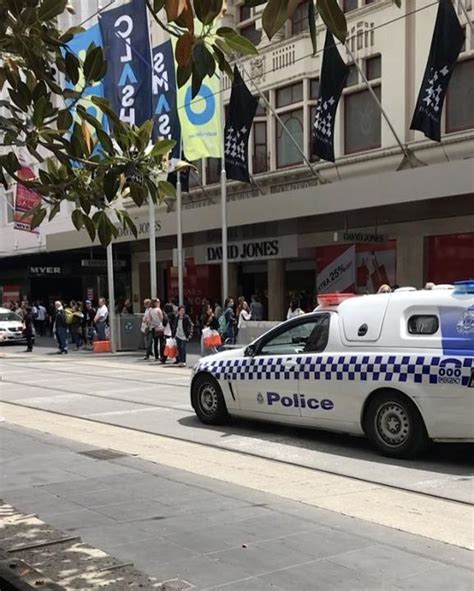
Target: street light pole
{"x":179,"y":207}
{"x":111,"y":289}
{"x":152,"y":234}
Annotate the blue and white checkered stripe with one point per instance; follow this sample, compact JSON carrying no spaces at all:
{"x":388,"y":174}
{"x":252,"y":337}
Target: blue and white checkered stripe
{"x":378,"y":368}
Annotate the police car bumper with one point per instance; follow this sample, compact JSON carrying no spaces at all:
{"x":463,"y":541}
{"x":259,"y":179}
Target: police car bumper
{"x":9,"y":337}
{"x":449,"y":418}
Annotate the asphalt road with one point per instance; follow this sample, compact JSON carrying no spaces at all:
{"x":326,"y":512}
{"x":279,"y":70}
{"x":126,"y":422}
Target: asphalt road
{"x":127,"y":392}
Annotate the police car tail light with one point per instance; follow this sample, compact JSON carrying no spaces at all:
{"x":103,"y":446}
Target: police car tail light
{"x":464,"y":287}
{"x":333,"y":299}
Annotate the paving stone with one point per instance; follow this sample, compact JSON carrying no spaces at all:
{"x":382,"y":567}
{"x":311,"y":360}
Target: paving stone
{"x":152,"y":552}
{"x":132,"y":510}
{"x":437,"y":579}
{"x":80,"y":519}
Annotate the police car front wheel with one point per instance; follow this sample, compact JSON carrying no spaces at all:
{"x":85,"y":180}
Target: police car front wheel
{"x":208,"y":401}
{"x":394,"y":425}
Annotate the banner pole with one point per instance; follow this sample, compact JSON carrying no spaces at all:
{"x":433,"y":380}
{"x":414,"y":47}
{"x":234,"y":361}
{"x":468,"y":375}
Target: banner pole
{"x":179,"y":210}
{"x":111,"y":289}
{"x":379,"y":104}
{"x":225,"y":262}
{"x":152,"y":237}
{"x":314,"y":172}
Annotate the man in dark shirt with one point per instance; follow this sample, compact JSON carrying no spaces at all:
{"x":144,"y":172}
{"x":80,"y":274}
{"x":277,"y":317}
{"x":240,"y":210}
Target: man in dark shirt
{"x":256,"y":309}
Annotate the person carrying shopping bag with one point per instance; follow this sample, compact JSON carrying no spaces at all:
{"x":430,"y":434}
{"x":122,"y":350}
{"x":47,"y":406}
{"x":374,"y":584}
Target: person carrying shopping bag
{"x":154,"y":317}
{"x":182,"y":331}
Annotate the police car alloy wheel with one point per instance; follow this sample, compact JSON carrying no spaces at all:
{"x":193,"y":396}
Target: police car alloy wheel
{"x":208,"y":401}
{"x":394,"y":425}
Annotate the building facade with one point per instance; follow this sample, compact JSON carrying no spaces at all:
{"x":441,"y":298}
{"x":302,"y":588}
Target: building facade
{"x":374,"y":220}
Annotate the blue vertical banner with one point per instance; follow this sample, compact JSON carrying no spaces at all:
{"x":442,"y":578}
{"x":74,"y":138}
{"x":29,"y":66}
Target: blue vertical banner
{"x":126,"y":42}
{"x":164,"y":97}
{"x":78,"y":46}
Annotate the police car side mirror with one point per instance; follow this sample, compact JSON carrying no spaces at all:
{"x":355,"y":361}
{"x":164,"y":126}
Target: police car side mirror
{"x":249,"y":351}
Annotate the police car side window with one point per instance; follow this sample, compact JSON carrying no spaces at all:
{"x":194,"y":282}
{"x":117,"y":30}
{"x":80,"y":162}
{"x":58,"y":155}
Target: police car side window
{"x":302,"y":337}
{"x":423,"y":324}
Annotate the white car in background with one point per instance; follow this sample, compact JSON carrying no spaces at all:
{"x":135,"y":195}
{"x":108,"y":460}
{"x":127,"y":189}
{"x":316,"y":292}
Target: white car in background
{"x":396,"y":367}
{"x":11,"y":327}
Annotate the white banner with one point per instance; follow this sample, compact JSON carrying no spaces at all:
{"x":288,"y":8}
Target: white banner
{"x":339,"y":274}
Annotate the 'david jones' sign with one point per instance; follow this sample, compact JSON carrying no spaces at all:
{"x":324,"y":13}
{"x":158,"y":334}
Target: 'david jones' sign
{"x":257,"y":249}
{"x":127,"y":83}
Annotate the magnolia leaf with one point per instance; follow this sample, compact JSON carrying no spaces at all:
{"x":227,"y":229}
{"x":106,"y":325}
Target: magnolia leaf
{"x":207,"y":10}
{"x":128,"y":222}
{"x":274,"y":16}
{"x":111,"y":184}
{"x":184,"y":49}
{"x":72,"y":67}
{"x":64,"y":120}
{"x":240,"y":44}
{"x":50,"y":9}
{"x":37,"y":218}
{"x":77,"y":219}
{"x":174,"y":8}
{"x":183,"y":74}
{"x":54,"y":210}
{"x":90,"y":227}
{"x":94,"y":64}
{"x":204,"y":63}
{"x":333,"y":18}
{"x":167,"y":189}
{"x":162,"y":147}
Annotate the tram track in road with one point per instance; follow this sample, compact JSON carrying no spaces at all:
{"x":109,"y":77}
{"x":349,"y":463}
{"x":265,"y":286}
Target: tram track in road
{"x":241,"y":452}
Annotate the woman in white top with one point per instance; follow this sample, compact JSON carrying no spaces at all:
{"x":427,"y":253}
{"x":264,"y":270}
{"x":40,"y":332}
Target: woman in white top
{"x":294,"y":309}
{"x":154,"y":319}
{"x":244,"y":314}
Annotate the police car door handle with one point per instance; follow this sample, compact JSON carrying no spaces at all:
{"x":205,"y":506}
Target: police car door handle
{"x":290,"y":363}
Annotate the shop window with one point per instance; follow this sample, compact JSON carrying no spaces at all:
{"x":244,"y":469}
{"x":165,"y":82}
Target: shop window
{"x":213,"y":170}
{"x":362,"y":122}
{"x":460,"y":98}
{"x":348,"y":5}
{"x":423,"y":324}
{"x":260,"y":151}
{"x":289,"y":95}
{"x":299,"y":19}
{"x":287,"y":153}
{"x":373,"y":67}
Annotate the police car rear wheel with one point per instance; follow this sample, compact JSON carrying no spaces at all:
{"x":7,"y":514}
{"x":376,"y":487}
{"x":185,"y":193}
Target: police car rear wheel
{"x":395,"y":426}
{"x":208,"y":401}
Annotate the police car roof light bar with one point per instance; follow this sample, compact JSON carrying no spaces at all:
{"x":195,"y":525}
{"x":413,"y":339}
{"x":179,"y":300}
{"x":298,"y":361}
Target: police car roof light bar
{"x":464,"y":287}
{"x":333,"y":299}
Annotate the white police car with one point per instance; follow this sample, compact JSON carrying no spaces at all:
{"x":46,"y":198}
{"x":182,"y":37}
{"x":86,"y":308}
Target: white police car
{"x":11,"y":327}
{"x":397,"y":367}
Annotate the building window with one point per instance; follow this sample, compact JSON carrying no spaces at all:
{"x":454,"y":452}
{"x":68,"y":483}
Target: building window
{"x":373,"y":67}
{"x":289,"y":95}
{"x":213,"y":170}
{"x":353,"y":76}
{"x":362,"y":122}
{"x":247,"y":25}
{"x":314,"y":89}
{"x":460,"y":98}
{"x":348,"y":5}
{"x":260,"y":147}
{"x":195,"y":177}
{"x":286,"y":152}
{"x":299,"y":19}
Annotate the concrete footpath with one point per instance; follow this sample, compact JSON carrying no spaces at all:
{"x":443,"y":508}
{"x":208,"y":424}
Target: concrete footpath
{"x":201,"y":533}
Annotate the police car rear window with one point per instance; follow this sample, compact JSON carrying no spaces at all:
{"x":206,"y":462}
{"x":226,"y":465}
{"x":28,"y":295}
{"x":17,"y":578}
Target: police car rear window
{"x":423,"y":324}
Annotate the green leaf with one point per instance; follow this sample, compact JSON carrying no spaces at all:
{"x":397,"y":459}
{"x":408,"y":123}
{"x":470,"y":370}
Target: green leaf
{"x":65,"y":120}
{"x":70,"y":33}
{"x":94,"y":64}
{"x":37,"y":218}
{"x":274,"y":16}
{"x":72,"y":67}
{"x":39,"y":111}
{"x":90,"y":227}
{"x":50,"y":9}
{"x":85,"y":204}
{"x":167,"y":189}
{"x":144,"y":133}
{"x":111,"y":183}
{"x":240,"y":44}
{"x":127,"y":221}
{"x":105,"y":142}
{"x":204,"y":64}
{"x":333,"y":18}
{"x":183,"y":74}
{"x":312,"y":25}
{"x":162,"y":147}
{"x":54,"y":210}
{"x":207,"y":10}
{"x":76,"y":218}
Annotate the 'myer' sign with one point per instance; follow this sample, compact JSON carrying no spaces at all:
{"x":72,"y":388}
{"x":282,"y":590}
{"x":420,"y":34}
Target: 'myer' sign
{"x":256,"y":249}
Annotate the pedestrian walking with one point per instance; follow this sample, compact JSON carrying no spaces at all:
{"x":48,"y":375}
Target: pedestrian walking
{"x":41,"y":318}
{"x":168,"y":320}
{"x":145,"y":328}
{"x":76,"y":325}
{"x":212,"y":323}
{"x":100,"y":319}
{"x":182,"y":331}
{"x":244,"y":314}
{"x":28,"y":328}
{"x":89,"y":315}
{"x":256,"y":309}
{"x":227,"y":322}
{"x":60,"y":327}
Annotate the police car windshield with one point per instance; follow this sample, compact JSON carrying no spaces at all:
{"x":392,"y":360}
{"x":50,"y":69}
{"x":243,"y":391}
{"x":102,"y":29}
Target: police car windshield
{"x":9,"y":317}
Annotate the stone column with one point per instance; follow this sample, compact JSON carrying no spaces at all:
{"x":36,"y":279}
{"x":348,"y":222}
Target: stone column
{"x":410,"y":260}
{"x":233,"y":281}
{"x":276,"y":289}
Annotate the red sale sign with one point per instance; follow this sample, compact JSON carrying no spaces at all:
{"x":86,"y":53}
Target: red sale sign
{"x":26,"y":200}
